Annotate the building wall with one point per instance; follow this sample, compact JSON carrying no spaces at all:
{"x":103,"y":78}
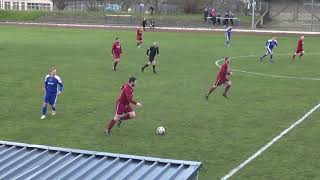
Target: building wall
{"x":295,"y":10}
{"x":23,"y":5}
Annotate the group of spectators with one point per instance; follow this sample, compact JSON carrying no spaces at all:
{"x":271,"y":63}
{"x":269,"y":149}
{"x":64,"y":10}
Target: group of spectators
{"x":144,"y":24}
{"x":217,"y":18}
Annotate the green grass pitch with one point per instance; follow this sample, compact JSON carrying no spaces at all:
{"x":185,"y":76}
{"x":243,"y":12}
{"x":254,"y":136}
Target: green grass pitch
{"x":221,"y":133}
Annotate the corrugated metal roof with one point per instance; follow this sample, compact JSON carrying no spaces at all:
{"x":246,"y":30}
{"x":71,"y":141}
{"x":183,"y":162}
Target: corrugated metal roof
{"x":21,"y":161}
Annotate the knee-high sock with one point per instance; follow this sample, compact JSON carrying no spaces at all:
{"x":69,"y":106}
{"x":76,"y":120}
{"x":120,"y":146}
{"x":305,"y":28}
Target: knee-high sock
{"x":111,"y":124}
{"x":115,"y":64}
{"x":145,"y":66}
{"x":44,"y":110}
{"x":226,"y":90}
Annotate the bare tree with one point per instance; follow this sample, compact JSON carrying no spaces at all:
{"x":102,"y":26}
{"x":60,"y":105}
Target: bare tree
{"x":190,"y":6}
{"x":60,"y":4}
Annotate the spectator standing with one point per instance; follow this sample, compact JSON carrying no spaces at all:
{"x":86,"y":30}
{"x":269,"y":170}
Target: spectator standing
{"x":231,"y":18}
{"x":144,"y":24}
{"x":213,"y":15}
{"x":151,"y":9}
{"x":226,"y":19}
{"x":205,"y":14}
{"x":218,"y":18}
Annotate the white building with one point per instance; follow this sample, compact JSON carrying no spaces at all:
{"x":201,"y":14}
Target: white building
{"x":23,"y":5}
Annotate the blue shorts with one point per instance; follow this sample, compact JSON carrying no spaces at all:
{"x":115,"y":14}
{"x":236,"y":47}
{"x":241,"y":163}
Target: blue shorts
{"x":228,"y":37}
{"x":50,"y":98}
{"x":269,"y":50}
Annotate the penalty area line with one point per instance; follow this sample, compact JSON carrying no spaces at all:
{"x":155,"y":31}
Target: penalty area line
{"x":265,"y":147}
{"x":267,"y":75}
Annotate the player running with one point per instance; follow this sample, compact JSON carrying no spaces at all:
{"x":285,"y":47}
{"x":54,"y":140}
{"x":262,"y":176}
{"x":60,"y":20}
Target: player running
{"x":123,"y":109}
{"x":299,"y":49}
{"x":151,"y":53}
{"x":222,"y":79}
{"x":228,"y":36}
{"x":271,"y":43}
{"x":51,"y":82}
{"x":116,"y":52}
{"x":139,"y":37}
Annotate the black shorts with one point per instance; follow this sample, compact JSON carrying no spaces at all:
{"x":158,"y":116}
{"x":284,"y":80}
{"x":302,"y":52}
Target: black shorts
{"x":151,"y":59}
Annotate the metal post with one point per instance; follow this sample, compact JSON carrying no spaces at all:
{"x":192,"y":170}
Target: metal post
{"x":312,"y":15}
{"x":253,"y":10}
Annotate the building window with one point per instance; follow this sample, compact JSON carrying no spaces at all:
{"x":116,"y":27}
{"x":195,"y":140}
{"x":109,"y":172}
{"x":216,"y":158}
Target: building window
{"x":15,"y":6}
{"x":45,"y":6}
{"x":38,"y":6}
{"x":23,"y":6}
{"x":7,"y":5}
{"x":33,"y":6}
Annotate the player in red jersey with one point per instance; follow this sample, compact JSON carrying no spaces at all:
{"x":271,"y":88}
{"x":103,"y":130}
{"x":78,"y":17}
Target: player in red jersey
{"x":116,"y":53}
{"x":222,"y":79}
{"x":299,"y":49}
{"x":123,"y":109}
{"x":139,"y":37}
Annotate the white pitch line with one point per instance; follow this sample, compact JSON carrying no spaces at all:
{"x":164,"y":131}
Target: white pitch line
{"x":161,"y":28}
{"x":270,"y":75}
{"x":265,"y":147}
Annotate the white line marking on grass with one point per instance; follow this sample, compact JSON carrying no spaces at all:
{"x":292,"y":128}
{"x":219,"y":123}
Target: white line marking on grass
{"x":260,"y":151}
{"x":270,"y":75}
{"x":161,"y":28}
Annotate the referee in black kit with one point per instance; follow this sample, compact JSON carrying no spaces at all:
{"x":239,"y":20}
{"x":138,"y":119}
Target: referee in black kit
{"x":151,"y":53}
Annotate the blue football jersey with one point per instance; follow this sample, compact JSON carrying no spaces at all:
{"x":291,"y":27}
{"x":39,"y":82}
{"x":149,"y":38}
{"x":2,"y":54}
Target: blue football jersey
{"x":51,"y":84}
{"x":271,"y":44}
{"x":228,"y":32}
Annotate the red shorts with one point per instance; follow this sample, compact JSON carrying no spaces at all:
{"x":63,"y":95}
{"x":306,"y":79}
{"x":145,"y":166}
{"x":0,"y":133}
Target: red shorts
{"x":122,"y":109}
{"x":221,"y":81}
{"x":139,"y":38}
{"x":299,"y":50}
{"x":116,"y":56}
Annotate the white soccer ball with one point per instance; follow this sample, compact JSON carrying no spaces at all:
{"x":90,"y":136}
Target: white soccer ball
{"x":161,"y":130}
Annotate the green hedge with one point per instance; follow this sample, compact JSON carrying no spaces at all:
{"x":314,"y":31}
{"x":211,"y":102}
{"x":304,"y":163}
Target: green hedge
{"x":21,"y":15}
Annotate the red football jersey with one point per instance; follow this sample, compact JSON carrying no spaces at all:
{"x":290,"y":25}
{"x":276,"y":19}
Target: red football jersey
{"x":126,"y":96}
{"x":224,"y":70}
{"x":139,"y":34}
{"x":300,"y":44}
{"x":116,"y":48}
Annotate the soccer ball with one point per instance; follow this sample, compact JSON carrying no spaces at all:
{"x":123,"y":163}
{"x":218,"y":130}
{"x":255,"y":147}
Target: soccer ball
{"x":161,"y":130}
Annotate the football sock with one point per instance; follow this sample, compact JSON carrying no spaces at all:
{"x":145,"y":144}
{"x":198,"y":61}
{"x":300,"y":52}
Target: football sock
{"x":111,"y":124}
{"x":126,"y":117}
{"x":115,"y":65}
{"x":263,"y":56}
{"x":44,"y":110}
{"x":210,"y":91}
{"x":271,"y":56}
{"x":154,"y":68}
{"x":54,"y":108}
{"x":301,"y":55}
{"x":145,"y":66}
{"x":293,"y":57}
{"x":226,"y":90}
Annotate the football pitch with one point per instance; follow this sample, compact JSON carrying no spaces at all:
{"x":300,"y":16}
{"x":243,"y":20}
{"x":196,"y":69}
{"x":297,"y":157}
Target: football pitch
{"x":264,"y":100}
